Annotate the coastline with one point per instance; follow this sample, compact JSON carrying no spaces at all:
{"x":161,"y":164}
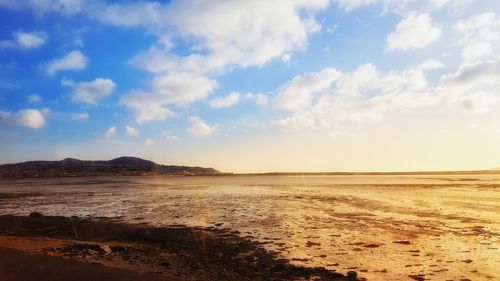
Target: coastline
{"x":88,"y":248}
{"x":270,"y":174}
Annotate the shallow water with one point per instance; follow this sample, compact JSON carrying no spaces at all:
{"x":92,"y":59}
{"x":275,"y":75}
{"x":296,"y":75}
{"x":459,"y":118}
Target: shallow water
{"x":384,"y":227}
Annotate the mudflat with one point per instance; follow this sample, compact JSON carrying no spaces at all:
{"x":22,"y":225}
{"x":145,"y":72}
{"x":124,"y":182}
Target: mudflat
{"x":38,"y":247}
{"x":385,"y":227}
{"x":20,"y":265}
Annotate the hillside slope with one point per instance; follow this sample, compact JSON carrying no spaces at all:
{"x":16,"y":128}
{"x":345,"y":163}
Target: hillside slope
{"x":74,"y":167}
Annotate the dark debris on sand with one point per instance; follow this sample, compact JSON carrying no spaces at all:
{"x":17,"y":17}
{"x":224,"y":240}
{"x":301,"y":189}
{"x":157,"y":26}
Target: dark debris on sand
{"x":192,"y":253}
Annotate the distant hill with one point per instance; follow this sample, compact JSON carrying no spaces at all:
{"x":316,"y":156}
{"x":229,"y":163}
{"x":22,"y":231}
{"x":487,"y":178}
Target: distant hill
{"x":75,"y":167}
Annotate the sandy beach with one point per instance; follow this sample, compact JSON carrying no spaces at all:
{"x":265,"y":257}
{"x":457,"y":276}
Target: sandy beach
{"x":394,"y":227}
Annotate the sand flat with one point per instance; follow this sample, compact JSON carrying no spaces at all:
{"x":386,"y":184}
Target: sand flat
{"x":437,"y":227}
{"x":171,"y":253}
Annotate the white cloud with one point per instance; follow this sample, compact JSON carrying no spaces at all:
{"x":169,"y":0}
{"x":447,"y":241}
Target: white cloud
{"x":350,"y":5}
{"x":12,"y":4}
{"x":146,"y":106}
{"x":219,"y":35}
{"x":474,"y":75}
{"x":226,"y":101}
{"x":110,"y":133}
{"x":413,"y":32}
{"x":368,"y":94}
{"x":226,"y":35}
{"x":476,"y":102}
{"x":169,"y":136}
{"x":30,"y":118}
{"x":198,"y":127}
{"x":25,"y":40}
{"x":299,"y":92}
{"x":403,"y":7}
{"x":74,"y":60}
{"x":439,"y":3}
{"x":477,"y":51}
{"x":363,"y":95}
{"x":34,"y":98}
{"x":473,"y":87}
{"x":149,"y":142}
{"x":259,"y":98}
{"x":182,"y":88}
{"x":90,"y":91}
{"x":479,"y":34}
{"x":65,"y":7}
{"x":140,"y":13}
{"x":131,"y":131}
{"x":242,"y":33}
{"x":298,"y":121}
{"x":484,"y":25}
{"x":172,"y":89}
{"x":80,"y":116}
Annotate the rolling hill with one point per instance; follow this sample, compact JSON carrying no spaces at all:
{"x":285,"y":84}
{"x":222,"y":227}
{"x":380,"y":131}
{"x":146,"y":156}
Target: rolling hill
{"x":119,"y":166}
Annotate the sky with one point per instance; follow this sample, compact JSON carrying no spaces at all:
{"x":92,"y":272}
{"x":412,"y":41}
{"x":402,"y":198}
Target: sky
{"x":253,"y":86}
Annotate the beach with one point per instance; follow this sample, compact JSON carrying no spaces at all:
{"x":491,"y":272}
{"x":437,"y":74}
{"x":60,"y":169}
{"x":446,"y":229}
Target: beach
{"x":392,"y":227}
{"x":61,"y":248}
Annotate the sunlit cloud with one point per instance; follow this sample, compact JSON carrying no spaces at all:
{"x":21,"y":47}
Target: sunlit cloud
{"x":474,"y":87}
{"x":34,"y":98}
{"x":110,"y":133}
{"x":227,"y":101}
{"x":74,"y":60}
{"x":260,"y":99}
{"x":413,"y":32}
{"x":80,"y":116}
{"x":90,"y":92}
{"x":30,"y":118}
{"x":363,"y":95}
{"x":25,"y":40}
{"x":178,"y":89}
{"x":169,"y":136}
{"x":198,"y":127}
{"x":299,"y":92}
{"x":131,"y":131}
{"x":149,"y":142}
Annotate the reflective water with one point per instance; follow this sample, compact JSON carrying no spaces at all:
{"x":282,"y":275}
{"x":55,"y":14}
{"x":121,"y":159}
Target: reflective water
{"x":384,"y":227}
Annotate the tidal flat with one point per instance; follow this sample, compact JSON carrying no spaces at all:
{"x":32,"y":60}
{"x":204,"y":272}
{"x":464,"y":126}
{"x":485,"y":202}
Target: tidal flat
{"x":385,"y":227}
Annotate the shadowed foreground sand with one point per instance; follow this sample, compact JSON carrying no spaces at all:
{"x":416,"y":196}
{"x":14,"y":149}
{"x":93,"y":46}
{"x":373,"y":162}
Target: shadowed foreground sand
{"x":58,"y":248}
{"x":19,"y":265}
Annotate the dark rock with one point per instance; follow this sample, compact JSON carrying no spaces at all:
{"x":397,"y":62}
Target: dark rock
{"x":402,"y":242}
{"x":106,"y":249}
{"x":35,"y":215}
{"x":165,"y":263}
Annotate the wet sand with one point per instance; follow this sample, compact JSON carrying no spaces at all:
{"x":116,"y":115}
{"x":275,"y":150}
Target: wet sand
{"x":418,"y":227}
{"x":20,"y":265}
{"x":41,"y":247}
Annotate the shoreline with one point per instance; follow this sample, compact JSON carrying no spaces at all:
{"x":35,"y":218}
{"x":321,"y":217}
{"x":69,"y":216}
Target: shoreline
{"x":293,"y":174}
{"x":100,"y":248}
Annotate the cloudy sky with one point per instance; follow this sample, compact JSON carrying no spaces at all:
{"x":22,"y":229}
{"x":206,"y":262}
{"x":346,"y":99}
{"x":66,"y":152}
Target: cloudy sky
{"x":247,"y":86}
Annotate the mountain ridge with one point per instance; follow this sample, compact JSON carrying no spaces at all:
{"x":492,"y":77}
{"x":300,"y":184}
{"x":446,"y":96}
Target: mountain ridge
{"x":124,"y":165}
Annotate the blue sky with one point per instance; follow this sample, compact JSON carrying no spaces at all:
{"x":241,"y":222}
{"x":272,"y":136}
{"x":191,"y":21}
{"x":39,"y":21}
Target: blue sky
{"x":246,"y":86}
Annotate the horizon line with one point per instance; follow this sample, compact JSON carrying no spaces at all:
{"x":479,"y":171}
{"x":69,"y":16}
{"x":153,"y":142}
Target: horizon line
{"x":371,"y":172}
